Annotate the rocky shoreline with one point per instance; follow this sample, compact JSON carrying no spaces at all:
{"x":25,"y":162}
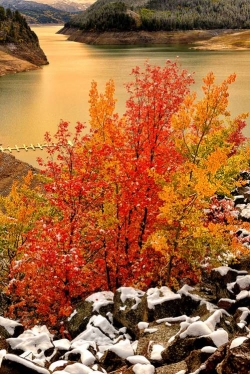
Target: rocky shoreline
{"x":197,"y":39}
{"x":11,"y":65}
{"x":16,"y":58}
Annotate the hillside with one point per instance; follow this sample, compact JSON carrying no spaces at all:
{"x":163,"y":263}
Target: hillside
{"x":19,"y":45}
{"x":68,"y":5}
{"x":36,"y":12}
{"x":164,"y":15}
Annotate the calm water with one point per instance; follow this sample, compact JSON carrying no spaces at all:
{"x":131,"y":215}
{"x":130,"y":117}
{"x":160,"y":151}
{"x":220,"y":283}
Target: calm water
{"x":34,"y":102}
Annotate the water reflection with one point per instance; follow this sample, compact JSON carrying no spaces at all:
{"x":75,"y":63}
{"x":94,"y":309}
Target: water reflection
{"x":34,"y":102}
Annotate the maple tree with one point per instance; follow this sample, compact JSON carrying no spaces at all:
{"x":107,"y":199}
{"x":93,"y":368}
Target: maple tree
{"x":168,"y":154}
{"x":104,"y":197}
{"x":141,"y":146}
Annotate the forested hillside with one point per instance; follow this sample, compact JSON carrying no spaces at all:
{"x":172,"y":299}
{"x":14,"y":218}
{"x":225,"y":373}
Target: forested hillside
{"x":14,"y":28}
{"x":18,"y":39}
{"x":154,"y":15}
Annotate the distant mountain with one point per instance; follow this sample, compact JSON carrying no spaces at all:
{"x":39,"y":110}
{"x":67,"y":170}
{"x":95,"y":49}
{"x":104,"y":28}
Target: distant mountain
{"x":35,"y":12}
{"x":155,"y":15}
{"x":67,"y":5}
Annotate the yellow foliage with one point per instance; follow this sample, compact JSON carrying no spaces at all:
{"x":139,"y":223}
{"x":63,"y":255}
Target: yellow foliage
{"x":101,"y":110}
{"x":18,"y":212}
{"x":201,"y":131}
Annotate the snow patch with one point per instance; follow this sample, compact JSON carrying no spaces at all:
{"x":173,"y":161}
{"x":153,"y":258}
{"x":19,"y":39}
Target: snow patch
{"x":26,"y":363}
{"x":143,"y":369}
{"x":131,"y":293}
{"x":157,"y":296}
{"x":100,"y":299}
{"x":137,"y":359}
{"x":9,"y":325}
{"x":156,"y":352}
{"x":237,"y":342}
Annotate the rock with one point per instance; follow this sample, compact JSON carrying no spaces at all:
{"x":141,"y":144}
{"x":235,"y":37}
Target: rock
{"x":227,"y":304}
{"x":13,"y":364}
{"x":100,"y":302}
{"x":110,"y":361}
{"x":242,"y":283}
{"x":162,"y":302}
{"x":130,"y":308}
{"x":178,"y":350}
{"x":123,"y":370}
{"x":196,"y":359}
{"x":10,"y":328}
{"x":211,"y":363}
{"x":221,"y":276}
{"x":242,"y":317}
{"x":172,"y":369}
{"x":208,"y":341}
{"x":237,"y":358}
{"x":80,"y":318}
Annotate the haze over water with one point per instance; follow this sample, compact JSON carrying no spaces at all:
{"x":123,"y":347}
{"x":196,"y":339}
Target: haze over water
{"x":34,"y":102}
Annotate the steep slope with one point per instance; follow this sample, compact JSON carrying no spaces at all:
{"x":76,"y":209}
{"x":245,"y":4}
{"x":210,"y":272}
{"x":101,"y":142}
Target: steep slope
{"x":18,"y":40}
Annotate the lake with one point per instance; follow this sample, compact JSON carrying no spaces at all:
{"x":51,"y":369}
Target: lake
{"x":32,"y":103}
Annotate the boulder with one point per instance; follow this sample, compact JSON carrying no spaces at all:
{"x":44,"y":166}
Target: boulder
{"x":237,"y":358}
{"x":130,"y":308}
{"x":13,"y":364}
{"x":221,"y":277}
{"x":209,"y":367}
{"x":192,"y":335}
{"x":10,"y":328}
{"x":197,"y":358}
{"x":178,"y":350}
{"x":98,"y":303}
{"x":110,"y":361}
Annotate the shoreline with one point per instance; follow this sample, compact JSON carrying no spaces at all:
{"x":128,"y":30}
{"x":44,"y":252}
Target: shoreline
{"x":219,"y":39}
{"x":203,"y":40}
{"x":10,"y":64}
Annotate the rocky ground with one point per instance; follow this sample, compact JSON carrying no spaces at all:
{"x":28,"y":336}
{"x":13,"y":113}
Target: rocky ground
{"x":10,"y":64}
{"x":198,"y":39}
{"x":201,"y":330}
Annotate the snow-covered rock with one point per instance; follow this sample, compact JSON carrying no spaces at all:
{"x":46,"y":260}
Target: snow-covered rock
{"x":134,"y":332}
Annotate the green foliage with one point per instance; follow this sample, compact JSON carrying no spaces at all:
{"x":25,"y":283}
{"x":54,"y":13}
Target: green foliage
{"x":167,"y":15}
{"x":196,"y":14}
{"x":110,"y":16}
{"x":14,"y":28}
